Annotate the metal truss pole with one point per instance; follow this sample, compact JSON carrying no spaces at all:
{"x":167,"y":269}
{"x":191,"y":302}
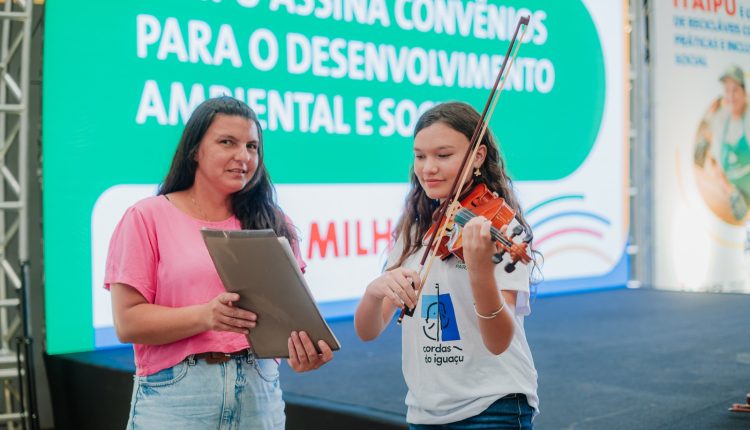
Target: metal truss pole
{"x":18,"y":406}
{"x":641,"y":148}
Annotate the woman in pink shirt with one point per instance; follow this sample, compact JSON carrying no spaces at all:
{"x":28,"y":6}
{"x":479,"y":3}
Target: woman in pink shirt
{"x":194,"y":366}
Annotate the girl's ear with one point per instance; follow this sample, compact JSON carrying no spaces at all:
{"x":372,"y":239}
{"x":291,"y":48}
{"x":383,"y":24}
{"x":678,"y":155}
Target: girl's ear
{"x":481,"y":155}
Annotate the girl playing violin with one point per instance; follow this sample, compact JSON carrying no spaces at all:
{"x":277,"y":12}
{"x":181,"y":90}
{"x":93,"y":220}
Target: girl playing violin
{"x":466,"y":360}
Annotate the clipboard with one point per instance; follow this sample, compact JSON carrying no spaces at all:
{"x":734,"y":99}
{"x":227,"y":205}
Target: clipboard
{"x":262,"y":269}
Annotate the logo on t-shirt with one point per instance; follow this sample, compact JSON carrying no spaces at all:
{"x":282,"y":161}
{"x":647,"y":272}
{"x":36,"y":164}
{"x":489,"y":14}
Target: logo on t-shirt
{"x":439,"y":318}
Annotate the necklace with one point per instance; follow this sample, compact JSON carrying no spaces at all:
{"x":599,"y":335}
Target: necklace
{"x":203,"y":215}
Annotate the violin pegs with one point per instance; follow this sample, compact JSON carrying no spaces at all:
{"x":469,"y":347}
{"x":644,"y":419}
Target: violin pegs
{"x":528,"y":238}
{"x":517,"y":230}
{"x":497,"y":258}
{"x":510,"y":267}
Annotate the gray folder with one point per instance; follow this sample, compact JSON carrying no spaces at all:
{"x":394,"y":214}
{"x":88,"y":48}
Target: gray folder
{"x":262,"y":269}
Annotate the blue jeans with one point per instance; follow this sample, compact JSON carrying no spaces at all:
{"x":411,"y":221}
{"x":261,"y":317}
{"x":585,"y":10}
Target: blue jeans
{"x":509,"y":412}
{"x":243,"y":392}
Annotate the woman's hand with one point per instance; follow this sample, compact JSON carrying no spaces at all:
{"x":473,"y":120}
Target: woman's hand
{"x":222,"y":315}
{"x":302,"y":354}
{"x":478,"y":246}
{"x":398,"y":286}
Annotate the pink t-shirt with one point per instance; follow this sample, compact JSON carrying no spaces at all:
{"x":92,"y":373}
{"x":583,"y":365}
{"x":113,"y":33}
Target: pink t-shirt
{"x":158,"y":250}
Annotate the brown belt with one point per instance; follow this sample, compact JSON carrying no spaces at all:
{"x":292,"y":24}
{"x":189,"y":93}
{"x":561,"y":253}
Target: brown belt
{"x":220,"y":357}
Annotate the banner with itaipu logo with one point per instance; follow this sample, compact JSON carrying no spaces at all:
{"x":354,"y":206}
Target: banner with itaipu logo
{"x":338,"y":86}
{"x":702,"y":157}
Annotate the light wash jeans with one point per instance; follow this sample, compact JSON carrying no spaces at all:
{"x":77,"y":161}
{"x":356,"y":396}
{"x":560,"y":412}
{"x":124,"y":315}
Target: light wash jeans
{"x":509,"y":412}
{"x":242,"y":393}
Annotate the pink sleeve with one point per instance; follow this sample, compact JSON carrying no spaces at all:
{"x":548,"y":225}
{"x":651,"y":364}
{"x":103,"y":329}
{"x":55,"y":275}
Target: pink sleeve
{"x":132,"y":255}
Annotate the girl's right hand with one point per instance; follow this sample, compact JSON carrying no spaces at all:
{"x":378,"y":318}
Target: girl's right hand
{"x":222,"y":315}
{"x":398,"y":286}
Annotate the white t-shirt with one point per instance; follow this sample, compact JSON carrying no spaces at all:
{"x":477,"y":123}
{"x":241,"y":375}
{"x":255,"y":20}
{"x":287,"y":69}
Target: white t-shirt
{"x":449,"y":372}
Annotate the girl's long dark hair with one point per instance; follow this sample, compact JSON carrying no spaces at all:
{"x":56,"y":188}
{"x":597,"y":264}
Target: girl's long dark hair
{"x":255,"y":205}
{"x":419,"y":208}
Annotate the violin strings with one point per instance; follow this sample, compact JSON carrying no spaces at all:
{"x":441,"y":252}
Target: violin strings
{"x":464,"y":215}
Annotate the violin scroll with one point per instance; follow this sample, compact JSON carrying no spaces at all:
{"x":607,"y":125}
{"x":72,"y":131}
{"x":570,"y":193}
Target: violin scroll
{"x":498,"y":257}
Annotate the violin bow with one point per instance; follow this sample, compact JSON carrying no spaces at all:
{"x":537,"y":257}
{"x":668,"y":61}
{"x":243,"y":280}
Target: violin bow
{"x":447,"y":209}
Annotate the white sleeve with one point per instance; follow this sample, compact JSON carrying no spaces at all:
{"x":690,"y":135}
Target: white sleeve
{"x":395,"y":253}
{"x":517,"y":280}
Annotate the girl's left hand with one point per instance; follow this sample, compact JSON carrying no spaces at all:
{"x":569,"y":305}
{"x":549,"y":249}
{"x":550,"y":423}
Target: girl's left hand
{"x":303,"y":356}
{"x":478,"y":245}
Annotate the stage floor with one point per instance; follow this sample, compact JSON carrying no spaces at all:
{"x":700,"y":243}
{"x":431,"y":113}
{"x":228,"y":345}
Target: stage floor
{"x":618,"y":359}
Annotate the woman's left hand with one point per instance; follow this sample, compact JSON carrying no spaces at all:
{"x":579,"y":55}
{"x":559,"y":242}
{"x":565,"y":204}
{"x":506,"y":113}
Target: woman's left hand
{"x":478,"y":246}
{"x":303,"y":356}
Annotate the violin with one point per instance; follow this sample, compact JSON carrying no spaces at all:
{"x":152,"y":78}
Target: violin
{"x":481,"y":201}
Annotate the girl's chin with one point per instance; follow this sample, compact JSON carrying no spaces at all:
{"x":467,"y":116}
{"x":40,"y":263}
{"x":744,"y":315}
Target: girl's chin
{"x":435,"y":196}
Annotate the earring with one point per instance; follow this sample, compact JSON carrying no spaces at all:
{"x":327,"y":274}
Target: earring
{"x":477,"y":172}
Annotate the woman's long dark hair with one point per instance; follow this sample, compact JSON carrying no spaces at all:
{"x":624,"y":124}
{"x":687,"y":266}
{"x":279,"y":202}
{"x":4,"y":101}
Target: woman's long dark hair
{"x":255,"y":205}
{"x":419,"y":208}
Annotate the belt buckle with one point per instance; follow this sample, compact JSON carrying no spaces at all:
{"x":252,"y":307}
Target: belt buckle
{"x":217,"y":357}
